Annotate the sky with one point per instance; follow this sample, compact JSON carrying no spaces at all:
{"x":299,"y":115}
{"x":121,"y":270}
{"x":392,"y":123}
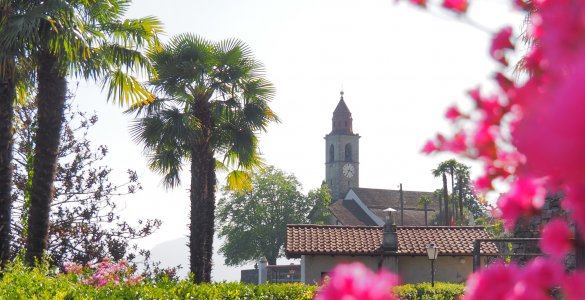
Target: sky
{"x":399,"y":66}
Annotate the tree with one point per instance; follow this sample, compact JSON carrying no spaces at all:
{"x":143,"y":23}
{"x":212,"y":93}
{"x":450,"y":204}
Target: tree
{"x":72,"y":38}
{"x":441,"y":171}
{"x":462,"y":195}
{"x":253,"y":223}
{"x":212,"y":102}
{"x":7,"y":99}
{"x":321,"y":198}
{"x":84,"y":223}
{"x":424,"y":201}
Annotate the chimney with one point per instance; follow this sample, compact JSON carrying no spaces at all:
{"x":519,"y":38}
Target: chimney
{"x":390,"y":238}
{"x":262,"y":270}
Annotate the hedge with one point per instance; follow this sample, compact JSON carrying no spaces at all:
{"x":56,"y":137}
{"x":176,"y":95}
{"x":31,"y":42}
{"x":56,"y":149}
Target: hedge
{"x":20,"y":282}
{"x":424,"y":291}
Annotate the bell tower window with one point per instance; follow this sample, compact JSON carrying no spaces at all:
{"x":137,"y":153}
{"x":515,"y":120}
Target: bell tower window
{"x":348,"y":152}
{"x":331,"y":153}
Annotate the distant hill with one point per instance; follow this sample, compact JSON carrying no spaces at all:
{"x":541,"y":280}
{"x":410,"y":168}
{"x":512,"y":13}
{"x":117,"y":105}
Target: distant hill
{"x":175,"y":252}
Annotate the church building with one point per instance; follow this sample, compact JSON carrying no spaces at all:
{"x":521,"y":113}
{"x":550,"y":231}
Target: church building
{"x":362,"y":229}
{"x":355,"y":205}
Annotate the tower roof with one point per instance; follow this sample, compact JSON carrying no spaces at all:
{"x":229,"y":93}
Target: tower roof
{"x":342,"y":121}
{"x":341,"y":106}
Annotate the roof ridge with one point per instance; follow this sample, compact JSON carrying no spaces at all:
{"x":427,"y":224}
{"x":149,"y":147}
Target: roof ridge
{"x":365,"y":188}
{"x":379,"y":227}
{"x":332,"y":226}
{"x":440,"y":227}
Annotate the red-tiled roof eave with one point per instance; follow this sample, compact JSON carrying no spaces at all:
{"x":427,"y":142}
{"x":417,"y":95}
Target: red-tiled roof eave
{"x":331,"y":253}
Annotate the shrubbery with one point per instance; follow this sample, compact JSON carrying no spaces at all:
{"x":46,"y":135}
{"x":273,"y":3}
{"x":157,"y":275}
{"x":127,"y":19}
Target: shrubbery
{"x":424,"y":291}
{"x":21,"y":282}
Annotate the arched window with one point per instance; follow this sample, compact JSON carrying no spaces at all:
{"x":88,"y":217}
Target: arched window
{"x":348,"y":152}
{"x":331,"y":153}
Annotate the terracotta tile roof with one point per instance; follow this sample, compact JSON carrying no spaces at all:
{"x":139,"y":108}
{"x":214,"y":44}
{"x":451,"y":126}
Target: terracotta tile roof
{"x":349,"y":213}
{"x":366,"y":240}
{"x":380,"y":198}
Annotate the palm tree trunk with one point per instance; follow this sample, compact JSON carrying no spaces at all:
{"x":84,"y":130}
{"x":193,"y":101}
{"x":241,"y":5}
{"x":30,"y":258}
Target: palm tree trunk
{"x":454,"y":202}
{"x":210,"y":220}
{"x":202,"y":197}
{"x":446,"y":199}
{"x":52,"y":92}
{"x":7,"y":97}
{"x":461,"y":183}
{"x":426,"y":219}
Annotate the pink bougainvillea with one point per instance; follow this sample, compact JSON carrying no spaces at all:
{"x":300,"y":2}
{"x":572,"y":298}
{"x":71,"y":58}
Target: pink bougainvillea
{"x":459,"y":6}
{"x":102,"y":273}
{"x":556,"y":239}
{"x":540,"y":123}
{"x":356,"y":282}
{"x":531,"y":134}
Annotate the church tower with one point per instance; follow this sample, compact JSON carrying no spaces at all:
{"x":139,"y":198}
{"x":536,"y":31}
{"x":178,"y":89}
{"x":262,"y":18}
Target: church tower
{"x":341,"y":153}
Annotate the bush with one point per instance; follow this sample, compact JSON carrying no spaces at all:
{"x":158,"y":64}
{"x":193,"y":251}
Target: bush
{"x":21,"y":282}
{"x":424,"y":291}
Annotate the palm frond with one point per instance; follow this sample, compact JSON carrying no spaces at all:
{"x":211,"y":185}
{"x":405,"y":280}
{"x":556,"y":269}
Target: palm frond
{"x":126,"y":89}
{"x":238,"y":180}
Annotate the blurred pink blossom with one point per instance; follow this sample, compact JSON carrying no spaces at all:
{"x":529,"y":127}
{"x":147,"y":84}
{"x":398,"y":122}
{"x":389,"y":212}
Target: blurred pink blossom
{"x":356,"y":282}
{"x":556,"y":238}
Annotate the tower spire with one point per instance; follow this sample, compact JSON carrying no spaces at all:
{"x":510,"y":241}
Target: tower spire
{"x":342,"y":121}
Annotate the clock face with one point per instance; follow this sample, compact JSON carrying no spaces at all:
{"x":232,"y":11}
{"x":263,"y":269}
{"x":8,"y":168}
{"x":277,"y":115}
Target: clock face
{"x":348,"y":170}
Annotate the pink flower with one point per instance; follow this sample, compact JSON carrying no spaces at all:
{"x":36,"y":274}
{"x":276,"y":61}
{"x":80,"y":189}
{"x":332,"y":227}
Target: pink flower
{"x":525,"y":197}
{"x":356,"y":282}
{"x":72,"y":268}
{"x":458,"y":6}
{"x":429,"y":147}
{"x":556,"y":238}
{"x":483,"y":183}
{"x":574,"y":286}
{"x":501,"y":42}
{"x":491,"y":283}
{"x":453,"y":113}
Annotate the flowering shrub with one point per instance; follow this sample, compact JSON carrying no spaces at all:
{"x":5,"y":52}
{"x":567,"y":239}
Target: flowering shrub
{"x":531,"y":135}
{"x":103,"y":273}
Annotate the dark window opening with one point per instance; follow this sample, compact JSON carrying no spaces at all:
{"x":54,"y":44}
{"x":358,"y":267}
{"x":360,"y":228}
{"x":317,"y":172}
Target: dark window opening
{"x":348,"y":152}
{"x":331,"y":153}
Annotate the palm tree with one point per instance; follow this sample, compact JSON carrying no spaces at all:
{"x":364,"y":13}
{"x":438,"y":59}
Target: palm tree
{"x":212,"y":103}
{"x":7,"y":98}
{"x":441,"y":171}
{"x":462,"y":175}
{"x":424,"y":201}
{"x":14,"y":85}
{"x":450,"y":165}
{"x":89,"y":40}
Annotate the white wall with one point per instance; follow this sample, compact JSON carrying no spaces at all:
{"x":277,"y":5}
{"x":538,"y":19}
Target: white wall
{"x":412,"y":269}
{"x":313,"y":265}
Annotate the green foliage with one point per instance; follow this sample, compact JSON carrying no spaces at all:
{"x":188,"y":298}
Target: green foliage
{"x":21,"y":282}
{"x":253,"y":223}
{"x":321,"y":198}
{"x":462,"y":201}
{"x":424,"y":291}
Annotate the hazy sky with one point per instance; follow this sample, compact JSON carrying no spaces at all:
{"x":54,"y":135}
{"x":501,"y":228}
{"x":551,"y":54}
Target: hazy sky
{"x":399,"y":66}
